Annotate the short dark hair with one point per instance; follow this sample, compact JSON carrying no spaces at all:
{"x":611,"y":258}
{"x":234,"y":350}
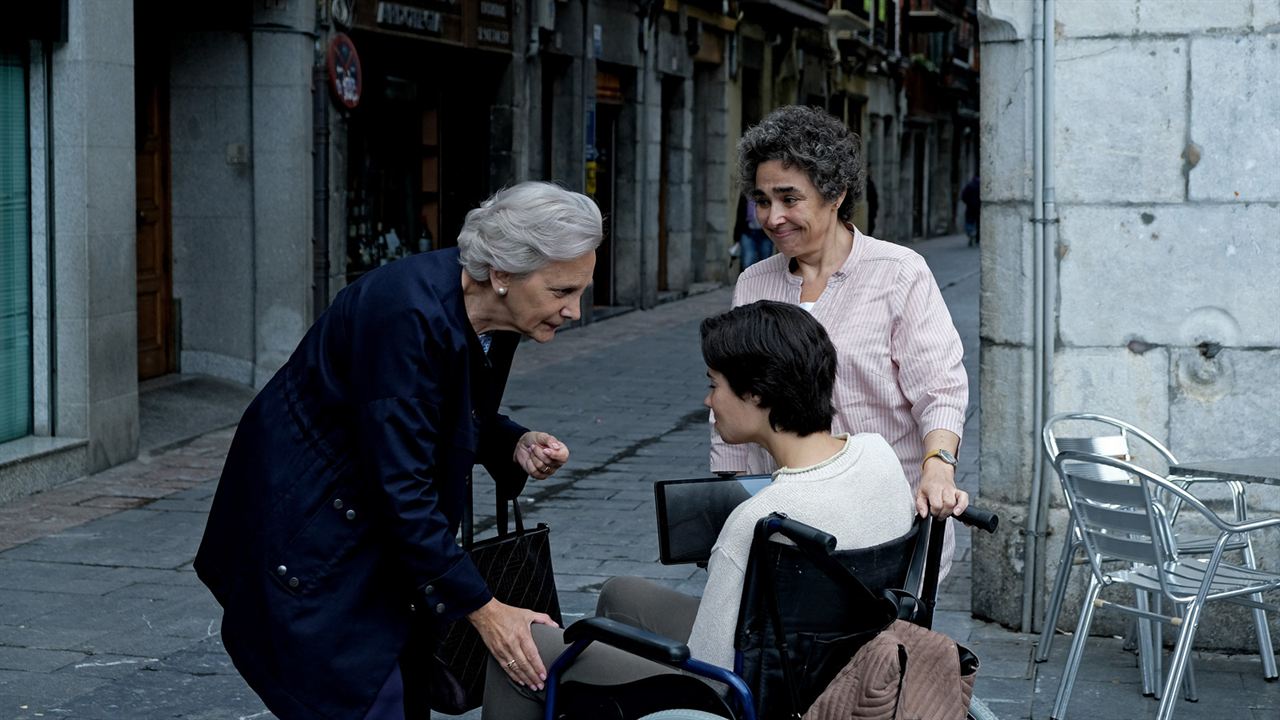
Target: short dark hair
{"x":780,"y":354}
{"x":813,"y":140}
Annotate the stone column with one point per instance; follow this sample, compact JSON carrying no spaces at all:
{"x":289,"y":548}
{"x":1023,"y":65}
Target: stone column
{"x":281,"y":57}
{"x":95,"y":232}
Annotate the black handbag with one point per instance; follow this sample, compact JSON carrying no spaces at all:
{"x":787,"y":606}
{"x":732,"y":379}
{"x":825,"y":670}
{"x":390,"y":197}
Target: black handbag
{"x":517,"y":568}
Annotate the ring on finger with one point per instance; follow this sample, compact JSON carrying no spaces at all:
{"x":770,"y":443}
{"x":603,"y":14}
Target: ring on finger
{"x":511,"y":664}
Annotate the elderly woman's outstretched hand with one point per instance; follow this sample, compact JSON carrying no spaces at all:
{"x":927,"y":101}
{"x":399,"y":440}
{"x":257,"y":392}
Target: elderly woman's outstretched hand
{"x":540,"y":454}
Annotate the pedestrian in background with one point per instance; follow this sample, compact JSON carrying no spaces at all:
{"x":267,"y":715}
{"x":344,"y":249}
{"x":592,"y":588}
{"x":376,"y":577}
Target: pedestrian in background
{"x":900,"y":373}
{"x":753,"y":244}
{"x":331,"y":542}
{"x":971,"y":196}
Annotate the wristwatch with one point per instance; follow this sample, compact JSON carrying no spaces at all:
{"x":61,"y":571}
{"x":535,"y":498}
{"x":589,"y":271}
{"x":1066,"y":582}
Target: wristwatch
{"x":943,"y":455}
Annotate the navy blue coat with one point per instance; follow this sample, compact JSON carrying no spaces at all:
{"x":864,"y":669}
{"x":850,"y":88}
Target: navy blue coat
{"x":332,"y":534}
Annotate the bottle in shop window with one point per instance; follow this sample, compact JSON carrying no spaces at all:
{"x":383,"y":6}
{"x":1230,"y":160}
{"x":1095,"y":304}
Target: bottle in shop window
{"x":366,"y":254}
{"x":380,"y":247}
{"x":424,"y":240}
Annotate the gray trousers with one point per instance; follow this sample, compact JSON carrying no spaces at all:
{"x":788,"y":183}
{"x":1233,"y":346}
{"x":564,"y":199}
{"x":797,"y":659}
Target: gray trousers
{"x":634,"y":601}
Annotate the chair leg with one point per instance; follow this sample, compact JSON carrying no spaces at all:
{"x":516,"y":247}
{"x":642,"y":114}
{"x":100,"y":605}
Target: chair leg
{"x":1181,"y":657}
{"x":1149,"y":679}
{"x":1265,"y":650}
{"x":1077,"y":650}
{"x":1189,"y":691}
{"x":1050,"y":623}
{"x":1157,"y":648}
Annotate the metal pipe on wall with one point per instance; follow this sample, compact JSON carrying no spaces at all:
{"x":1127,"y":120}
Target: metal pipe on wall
{"x":319,"y":189}
{"x":50,"y":234}
{"x":1031,"y":545}
{"x":1048,"y":271}
{"x":648,"y":25}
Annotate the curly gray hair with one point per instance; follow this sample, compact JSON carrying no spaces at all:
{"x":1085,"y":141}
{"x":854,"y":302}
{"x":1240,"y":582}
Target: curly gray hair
{"x":526,"y":226}
{"x":809,"y":139}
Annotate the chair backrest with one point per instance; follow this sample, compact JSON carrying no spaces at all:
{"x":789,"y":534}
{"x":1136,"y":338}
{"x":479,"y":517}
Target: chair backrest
{"x":1116,"y":446}
{"x":1116,"y":520}
{"x":1113,"y":437}
{"x":825,"y":619}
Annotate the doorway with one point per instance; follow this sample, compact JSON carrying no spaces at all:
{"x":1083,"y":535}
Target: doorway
{"x":154,"y":238}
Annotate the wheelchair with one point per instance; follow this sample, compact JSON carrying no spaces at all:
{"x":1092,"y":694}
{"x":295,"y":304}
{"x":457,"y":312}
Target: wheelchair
{"x":806,"y":609}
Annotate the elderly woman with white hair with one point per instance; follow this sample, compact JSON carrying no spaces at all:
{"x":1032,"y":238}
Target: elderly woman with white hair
{"x":331,"y":541}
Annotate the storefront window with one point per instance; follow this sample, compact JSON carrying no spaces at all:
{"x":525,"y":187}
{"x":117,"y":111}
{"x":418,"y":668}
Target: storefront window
{"x":15,"y":250}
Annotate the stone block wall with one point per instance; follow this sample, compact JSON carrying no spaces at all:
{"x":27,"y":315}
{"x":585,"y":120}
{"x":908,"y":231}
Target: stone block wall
{"x":1168,"y":250}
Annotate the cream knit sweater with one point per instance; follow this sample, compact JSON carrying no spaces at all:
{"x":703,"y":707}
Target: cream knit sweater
{"x":860,"y":495}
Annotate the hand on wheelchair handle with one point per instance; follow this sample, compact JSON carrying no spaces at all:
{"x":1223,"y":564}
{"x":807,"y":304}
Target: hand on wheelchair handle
{"x":979,"y":518}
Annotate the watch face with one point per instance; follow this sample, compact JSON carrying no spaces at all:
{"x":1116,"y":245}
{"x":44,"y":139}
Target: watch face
{"x":947,"y":457}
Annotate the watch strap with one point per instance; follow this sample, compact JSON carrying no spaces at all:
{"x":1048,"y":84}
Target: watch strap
{"x":940,"y":453}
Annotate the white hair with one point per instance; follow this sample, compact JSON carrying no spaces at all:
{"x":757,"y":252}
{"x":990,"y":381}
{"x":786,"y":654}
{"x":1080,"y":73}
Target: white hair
{"x":524,"y":227}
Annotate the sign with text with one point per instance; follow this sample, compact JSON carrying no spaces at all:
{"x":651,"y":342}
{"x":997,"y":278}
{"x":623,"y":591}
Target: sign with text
{"x":469,"y":23}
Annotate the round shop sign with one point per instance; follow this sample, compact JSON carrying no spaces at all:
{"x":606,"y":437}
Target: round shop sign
{"x":346,"y":78}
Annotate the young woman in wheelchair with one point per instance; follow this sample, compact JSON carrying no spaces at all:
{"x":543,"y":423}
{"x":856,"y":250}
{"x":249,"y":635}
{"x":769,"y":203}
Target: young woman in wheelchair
{"x":772,"y":370}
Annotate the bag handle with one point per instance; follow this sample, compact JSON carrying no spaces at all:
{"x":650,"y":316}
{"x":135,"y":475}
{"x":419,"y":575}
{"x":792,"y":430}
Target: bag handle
{"x":468,"y":519}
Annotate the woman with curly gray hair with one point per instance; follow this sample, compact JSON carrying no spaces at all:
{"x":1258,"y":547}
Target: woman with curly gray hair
{"x":331,"y":541}
{"x":900,"y":372}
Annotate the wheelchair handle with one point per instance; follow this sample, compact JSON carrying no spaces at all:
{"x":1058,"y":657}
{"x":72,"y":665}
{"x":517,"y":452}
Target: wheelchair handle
{"x":804,"y":536}
{"x":979,"y":518}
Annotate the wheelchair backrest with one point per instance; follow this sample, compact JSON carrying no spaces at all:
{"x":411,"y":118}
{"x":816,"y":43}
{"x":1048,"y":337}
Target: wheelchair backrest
{"x":827,"y":612}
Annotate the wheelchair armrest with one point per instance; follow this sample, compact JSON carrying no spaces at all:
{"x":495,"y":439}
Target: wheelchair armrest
{"x":631,"y":639}
{"x":806,"y":537}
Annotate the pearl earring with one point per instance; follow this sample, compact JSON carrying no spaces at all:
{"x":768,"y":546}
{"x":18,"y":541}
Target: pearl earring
{"x":502,"y":291}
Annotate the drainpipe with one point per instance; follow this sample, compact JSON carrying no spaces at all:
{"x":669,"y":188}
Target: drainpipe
{"x":1031,"y":547}
{"x":1049,"y":280}
{"x":51,"y":237}
{"x":647,"y":25}
{"x":319,"y":189}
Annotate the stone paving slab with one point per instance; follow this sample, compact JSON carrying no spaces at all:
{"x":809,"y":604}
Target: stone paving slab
{"x":102,"y":617}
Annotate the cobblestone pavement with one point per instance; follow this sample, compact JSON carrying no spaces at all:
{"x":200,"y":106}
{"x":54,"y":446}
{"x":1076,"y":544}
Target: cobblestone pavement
{"x":102,"y":617}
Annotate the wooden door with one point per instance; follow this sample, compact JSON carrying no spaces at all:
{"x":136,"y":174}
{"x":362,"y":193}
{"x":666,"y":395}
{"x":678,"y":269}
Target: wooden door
{"x":155,"y":282}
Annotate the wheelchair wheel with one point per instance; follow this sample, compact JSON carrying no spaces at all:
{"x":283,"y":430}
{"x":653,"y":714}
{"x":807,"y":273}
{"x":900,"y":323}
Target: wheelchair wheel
{"x":678,"y":714}
{"x":978,"y":710}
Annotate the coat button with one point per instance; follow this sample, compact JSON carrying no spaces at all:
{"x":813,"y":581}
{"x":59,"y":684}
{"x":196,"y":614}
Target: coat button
{"x":428,"y":589}
{"x":351,"y":514}
{"x":440,"y":609}
{"x":475,"y":415}
{"x":413,"y":608}
{"x":282,"y":570}
{"x":293,"y":582}
{"x":337,"y":503}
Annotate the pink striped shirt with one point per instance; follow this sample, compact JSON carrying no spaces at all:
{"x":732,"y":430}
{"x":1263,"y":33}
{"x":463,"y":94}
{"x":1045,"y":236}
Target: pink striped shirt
{"x":900,"y":371}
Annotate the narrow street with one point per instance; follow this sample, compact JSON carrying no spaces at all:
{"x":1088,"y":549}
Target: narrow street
{"x":102,"y":617}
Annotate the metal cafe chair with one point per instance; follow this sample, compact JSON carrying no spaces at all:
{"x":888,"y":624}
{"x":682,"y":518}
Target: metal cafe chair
{"x":1114,"y":441}
{"x":1128,"y":522}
